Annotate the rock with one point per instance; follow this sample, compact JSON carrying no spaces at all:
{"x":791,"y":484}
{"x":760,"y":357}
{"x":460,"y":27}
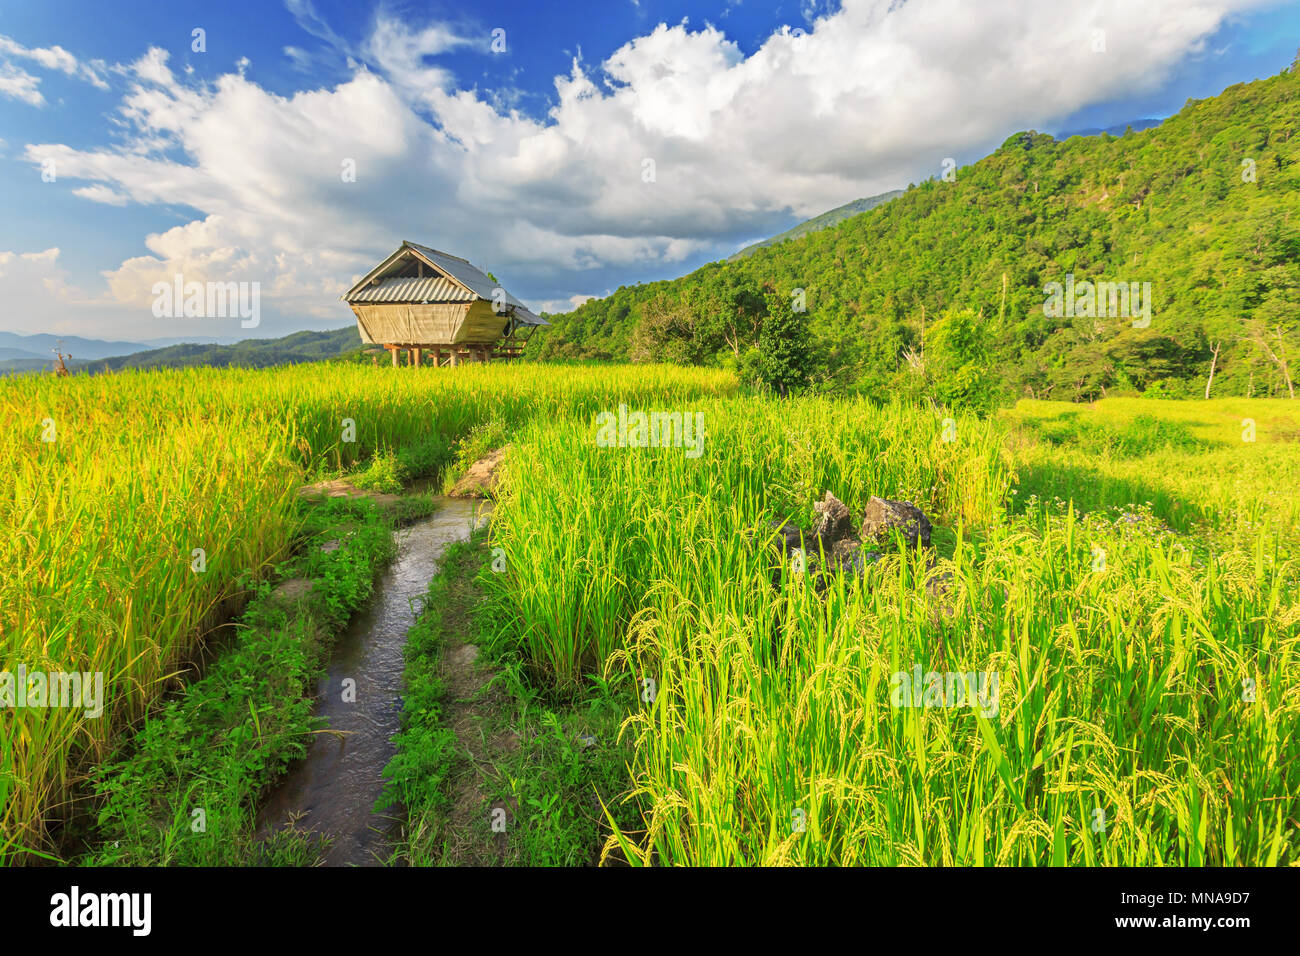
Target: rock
{"x":847,"y":555}
{"x":835,"y":523}
{"x":830,"y":547}
{"x":792,"y":536}
{"x":480,"y":479}
{"x":339,"y":488}
{"x":292,"y":591}
{"x":883,"y":517}
{"x":329,"y":547}
{"x":463,"y":656}
{"x":786,"y":541}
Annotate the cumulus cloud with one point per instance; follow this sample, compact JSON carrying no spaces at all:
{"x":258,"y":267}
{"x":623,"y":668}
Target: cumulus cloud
{"x":678,"y":145}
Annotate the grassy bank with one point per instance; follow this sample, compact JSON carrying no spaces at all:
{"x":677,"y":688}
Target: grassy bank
{"x":1228,"y":468}
{"x":185,"y":787}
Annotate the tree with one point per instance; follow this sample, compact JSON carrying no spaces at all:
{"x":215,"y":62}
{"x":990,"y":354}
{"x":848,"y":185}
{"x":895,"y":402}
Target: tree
{"x":666,"y":333}
{"x":731,"y":310}
{"x":785,"y":354}
{"x":956,"y":360}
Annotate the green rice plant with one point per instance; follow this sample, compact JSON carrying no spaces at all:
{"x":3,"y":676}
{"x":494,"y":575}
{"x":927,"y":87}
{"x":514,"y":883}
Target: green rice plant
{"x":1144,"y":679}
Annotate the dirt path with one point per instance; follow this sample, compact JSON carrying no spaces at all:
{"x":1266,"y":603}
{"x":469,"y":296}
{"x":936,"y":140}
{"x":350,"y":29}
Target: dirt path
{"x":477,"y":715}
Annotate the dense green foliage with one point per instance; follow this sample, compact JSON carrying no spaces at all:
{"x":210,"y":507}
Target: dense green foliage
{"x":1203,"y":207}
{"x":783,"y":358}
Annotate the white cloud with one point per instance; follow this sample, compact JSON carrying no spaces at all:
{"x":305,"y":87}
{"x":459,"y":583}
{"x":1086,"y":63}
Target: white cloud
{"x":40,"y":298}
{"x":870,"y":97}
{"x":101,"y":193}
{"x":18,"y":84}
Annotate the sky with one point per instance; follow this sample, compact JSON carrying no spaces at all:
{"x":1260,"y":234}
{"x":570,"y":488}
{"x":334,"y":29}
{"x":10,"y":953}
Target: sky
{"x":569,"y":147}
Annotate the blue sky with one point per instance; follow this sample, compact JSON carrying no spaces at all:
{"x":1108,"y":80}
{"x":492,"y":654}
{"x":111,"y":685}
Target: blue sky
{"x":598,"y":144}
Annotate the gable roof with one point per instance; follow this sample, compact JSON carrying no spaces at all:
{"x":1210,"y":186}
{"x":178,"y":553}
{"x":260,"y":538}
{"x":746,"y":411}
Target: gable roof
{"x":455,"y":280}
{"x":434,"y":288}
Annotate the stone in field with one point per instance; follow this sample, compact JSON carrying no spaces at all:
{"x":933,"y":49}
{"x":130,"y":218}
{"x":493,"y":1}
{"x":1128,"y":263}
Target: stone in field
{"x":293,"y":591}
{"x":882,"y":517}
{"x":835,"y":523}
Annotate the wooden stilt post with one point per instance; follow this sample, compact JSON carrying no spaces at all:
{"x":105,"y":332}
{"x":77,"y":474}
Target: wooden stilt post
{"x":437,"y":357}
{"x":416,"y":353}
{"x":453,"y":358}
{"x":393,"y":349}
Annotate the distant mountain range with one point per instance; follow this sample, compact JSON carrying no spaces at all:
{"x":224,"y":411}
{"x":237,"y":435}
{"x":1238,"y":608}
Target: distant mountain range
{"x":21,"y":353}
{"x":15,"y":346}
{"x":1117,"y":130}
{"x":825,"y":220}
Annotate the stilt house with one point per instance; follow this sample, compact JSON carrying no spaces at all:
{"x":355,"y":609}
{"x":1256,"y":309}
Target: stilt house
{"x":421,"y":300}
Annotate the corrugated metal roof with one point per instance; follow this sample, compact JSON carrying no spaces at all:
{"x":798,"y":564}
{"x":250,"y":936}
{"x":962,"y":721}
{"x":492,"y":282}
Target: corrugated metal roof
{"x":468,"y":275}
{"x":528,"y":318}
{"x":413,"y":289}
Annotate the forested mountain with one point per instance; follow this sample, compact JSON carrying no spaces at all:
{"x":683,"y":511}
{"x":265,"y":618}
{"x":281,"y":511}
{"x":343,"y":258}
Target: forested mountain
{"x":947,"y":291}
{"x":824,"y":221}
{"x":250,"y":353}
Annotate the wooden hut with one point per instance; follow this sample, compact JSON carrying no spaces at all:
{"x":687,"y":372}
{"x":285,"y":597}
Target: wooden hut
{"x":421,"y":300}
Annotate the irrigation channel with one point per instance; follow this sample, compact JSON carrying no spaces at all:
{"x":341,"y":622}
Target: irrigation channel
{"x":333,"y":789}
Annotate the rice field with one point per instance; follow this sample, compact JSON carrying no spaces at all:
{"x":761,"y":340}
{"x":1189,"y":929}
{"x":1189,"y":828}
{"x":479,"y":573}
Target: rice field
{"x":1143,"y":702}
{"x":1119,"y":580}
{"x":113,"y":482}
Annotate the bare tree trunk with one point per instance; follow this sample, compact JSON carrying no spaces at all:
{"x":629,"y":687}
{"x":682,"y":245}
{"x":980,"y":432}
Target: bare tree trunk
{"x":733,"y":339}
{"x":922,"y":335}
{"x":1277,"y":358}
{"x":1213,"y":362}
{"x":1284,"y":365}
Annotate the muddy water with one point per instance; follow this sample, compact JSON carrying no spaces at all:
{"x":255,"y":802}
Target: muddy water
{"x":333,"y":789}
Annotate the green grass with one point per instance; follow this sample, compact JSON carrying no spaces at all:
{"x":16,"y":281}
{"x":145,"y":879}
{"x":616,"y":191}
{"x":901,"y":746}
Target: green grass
{"x":1228,"y":468}
{"x":1126,"y":569}
{"x":564,"y":759}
